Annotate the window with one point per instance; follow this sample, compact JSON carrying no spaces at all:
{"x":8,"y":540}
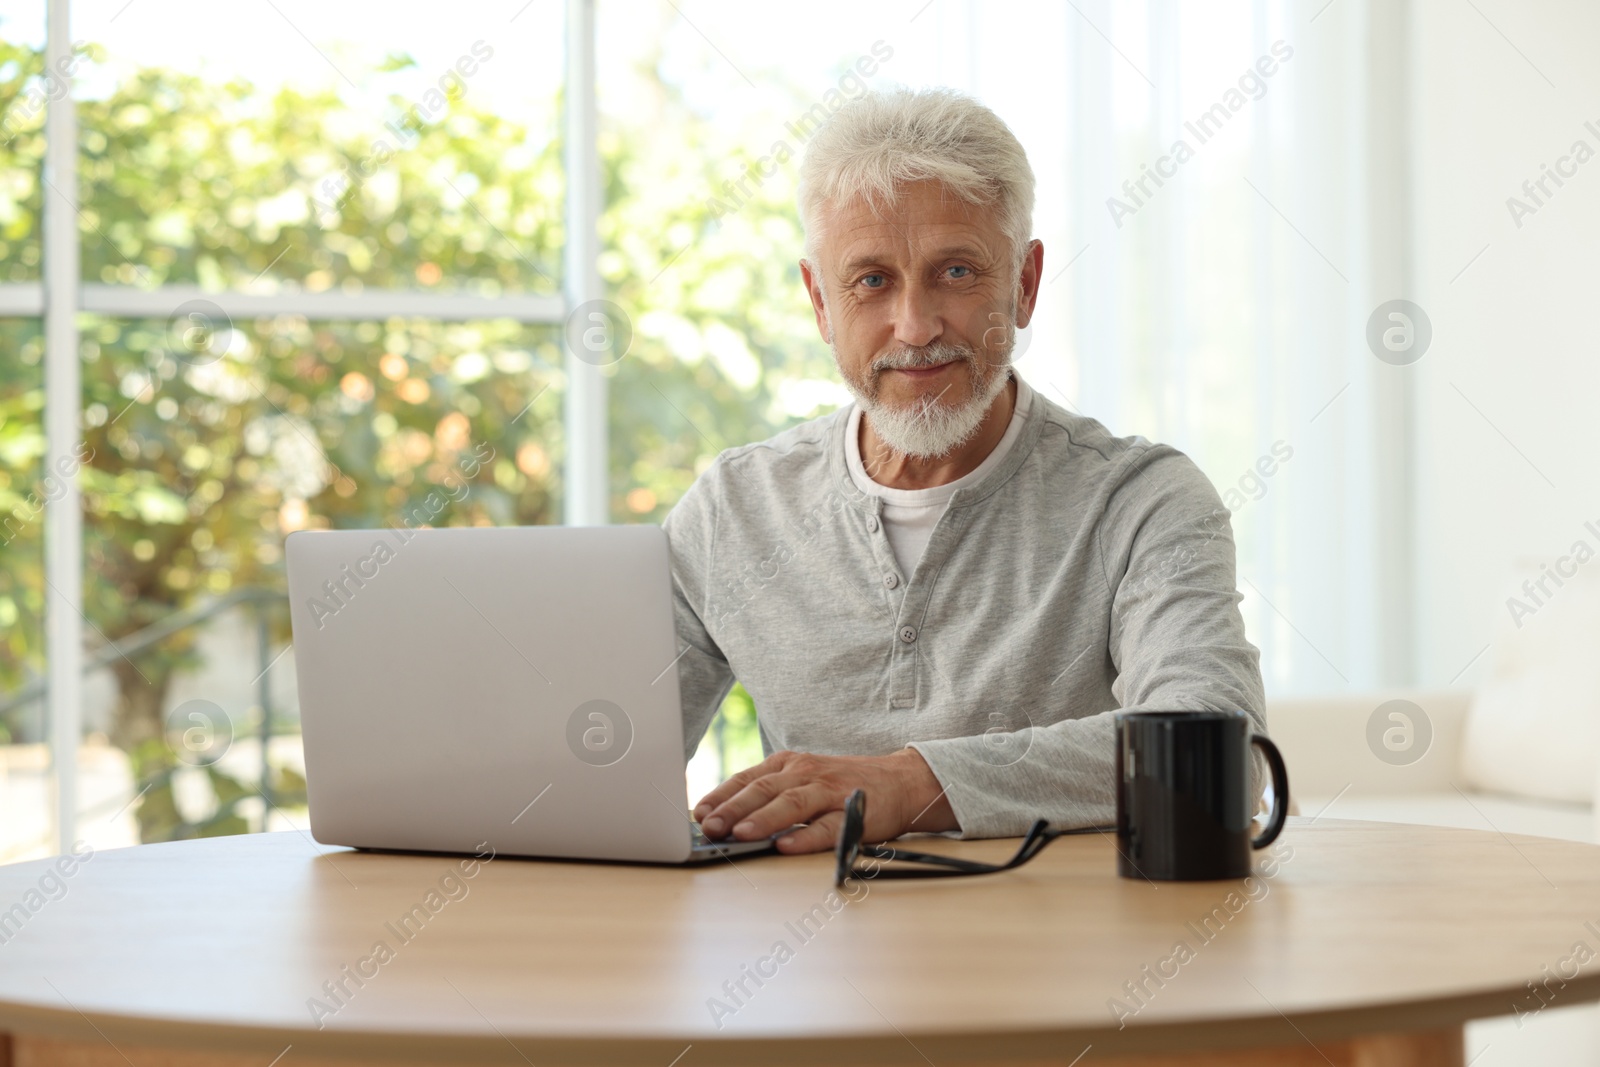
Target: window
{"x":322,"y":285}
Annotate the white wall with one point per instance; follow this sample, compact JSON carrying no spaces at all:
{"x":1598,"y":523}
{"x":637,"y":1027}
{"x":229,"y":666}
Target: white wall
{"x":1515,"y":333}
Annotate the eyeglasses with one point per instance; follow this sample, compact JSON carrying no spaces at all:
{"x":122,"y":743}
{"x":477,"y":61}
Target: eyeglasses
{"x":850,"y":849}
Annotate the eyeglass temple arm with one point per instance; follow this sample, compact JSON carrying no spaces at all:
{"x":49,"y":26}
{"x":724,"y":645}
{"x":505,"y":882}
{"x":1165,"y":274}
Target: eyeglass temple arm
{"x":1038,"y":836}
{"x":886,"y":852}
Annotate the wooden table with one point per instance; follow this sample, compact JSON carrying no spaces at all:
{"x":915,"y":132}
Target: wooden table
{"x":1369,"y":944}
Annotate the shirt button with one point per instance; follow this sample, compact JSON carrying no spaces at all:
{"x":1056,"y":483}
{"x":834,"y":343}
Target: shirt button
{"x":872,"y":524}
{"x":908,"y":634}
{"x":890,"y":581}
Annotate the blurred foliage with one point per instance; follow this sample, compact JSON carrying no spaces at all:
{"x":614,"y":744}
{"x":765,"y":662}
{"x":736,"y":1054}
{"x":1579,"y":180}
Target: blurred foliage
{"x":231,"y":801}
{"x":211,"y":439}
{"x":21,"y":152}
{"x":736,"y":734}
{"x":190,"y":181}
{"x":21,"y":474}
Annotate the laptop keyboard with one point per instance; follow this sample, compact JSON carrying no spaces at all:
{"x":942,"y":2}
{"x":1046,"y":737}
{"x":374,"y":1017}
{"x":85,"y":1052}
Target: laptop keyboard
{"x":699,"y":842}
{"x":728,"y":846}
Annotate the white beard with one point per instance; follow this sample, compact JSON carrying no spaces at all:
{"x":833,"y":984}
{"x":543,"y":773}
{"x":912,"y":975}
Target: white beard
{"x":927,"y":429}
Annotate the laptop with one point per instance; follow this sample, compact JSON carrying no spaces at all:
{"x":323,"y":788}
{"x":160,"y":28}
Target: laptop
{"x":515,"y":686}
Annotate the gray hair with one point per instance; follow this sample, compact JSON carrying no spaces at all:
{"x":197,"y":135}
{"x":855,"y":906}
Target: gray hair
{"x":880,"y":141}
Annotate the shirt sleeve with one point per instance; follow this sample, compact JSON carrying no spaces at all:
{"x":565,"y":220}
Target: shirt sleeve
{"x":704,"y":677}
{"x":1176,"y":640}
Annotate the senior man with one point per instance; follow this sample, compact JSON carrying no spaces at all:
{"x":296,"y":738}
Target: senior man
{"x":940,"y":593}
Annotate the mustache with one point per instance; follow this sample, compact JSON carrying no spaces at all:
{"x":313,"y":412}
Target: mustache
{"x":929,"y":356}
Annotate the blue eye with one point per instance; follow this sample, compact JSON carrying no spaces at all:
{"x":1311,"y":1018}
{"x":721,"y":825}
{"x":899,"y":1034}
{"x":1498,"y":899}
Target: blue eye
{"x":959,"y":267}
{"x":867,"y":280}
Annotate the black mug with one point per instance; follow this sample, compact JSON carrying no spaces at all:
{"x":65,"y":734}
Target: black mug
{"x":1184,"y":794}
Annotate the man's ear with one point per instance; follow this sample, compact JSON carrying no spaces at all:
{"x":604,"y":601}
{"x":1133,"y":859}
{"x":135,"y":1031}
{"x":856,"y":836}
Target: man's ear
{"x":1028,"y":282}
{"x":819,"y":306}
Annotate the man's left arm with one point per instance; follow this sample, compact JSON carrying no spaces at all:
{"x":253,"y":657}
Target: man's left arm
{"x":1177,"y":642}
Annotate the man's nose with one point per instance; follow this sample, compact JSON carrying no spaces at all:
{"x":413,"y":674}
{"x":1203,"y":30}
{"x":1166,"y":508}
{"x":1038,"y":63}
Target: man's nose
{"x":917,"y":318}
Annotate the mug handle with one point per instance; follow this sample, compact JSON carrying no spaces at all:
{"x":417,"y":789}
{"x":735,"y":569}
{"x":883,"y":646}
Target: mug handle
{"x":1280,"y":792}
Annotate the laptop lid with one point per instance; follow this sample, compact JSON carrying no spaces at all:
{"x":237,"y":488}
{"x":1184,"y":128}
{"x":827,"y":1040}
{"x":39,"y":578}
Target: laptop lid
{"x":510,"y":685}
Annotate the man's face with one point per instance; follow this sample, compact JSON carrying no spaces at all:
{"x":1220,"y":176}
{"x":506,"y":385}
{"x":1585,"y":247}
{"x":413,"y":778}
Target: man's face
{"x":921,"y":303}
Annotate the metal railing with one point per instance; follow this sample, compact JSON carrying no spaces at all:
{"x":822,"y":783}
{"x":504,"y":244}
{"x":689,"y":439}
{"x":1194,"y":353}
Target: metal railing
{"x":149,"y":636}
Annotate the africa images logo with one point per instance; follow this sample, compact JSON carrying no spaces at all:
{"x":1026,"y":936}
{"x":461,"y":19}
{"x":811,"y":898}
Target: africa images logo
{"x":599,"y":733}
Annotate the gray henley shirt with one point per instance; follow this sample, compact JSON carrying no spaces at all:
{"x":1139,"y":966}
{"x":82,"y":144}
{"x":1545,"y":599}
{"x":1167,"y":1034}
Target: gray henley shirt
{"x":1083,"y":574}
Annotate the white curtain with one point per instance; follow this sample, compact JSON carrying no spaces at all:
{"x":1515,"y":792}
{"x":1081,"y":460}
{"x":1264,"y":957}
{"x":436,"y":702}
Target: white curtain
{"x":1226,"y":313}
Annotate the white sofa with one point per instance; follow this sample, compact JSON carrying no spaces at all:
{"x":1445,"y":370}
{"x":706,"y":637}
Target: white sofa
{"x":1334,"y":772}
